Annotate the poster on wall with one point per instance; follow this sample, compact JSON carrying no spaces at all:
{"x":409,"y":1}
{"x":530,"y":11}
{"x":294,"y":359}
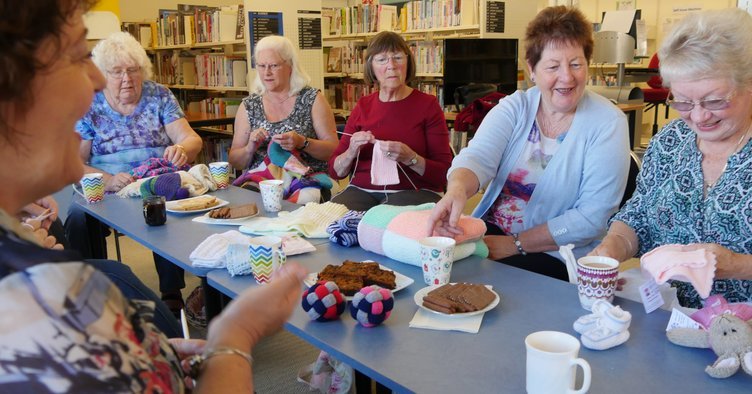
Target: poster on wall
{"x":309,"y":29}
{"x":262,"y":24}
{"x":495,"y":17}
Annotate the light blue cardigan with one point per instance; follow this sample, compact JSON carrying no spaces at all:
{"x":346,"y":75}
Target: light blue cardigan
{"x":583,"y":183}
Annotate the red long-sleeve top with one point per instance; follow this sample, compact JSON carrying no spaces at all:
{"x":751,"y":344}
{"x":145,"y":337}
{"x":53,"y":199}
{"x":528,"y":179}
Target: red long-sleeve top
{"x":416,"y":121}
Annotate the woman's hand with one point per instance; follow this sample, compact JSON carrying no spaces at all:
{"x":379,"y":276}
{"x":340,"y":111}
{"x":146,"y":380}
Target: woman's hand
{"x":257,"y":136}
{"x":40,"y":233}
{"x":500,"y":246}
{"x":118,"y":181}
{"x":358,"y":140}
{"x":446,"y":214}
{"x":727,"y":262}
{"x":176,"y":155}
{"x":44,"y":210}
{"x":258,"y":311}
{"x":187,"y":348}
{"x":289,"y":141}
{"x":398,"y":151}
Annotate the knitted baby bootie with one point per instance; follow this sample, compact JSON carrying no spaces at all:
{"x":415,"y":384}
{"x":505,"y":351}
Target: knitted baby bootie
{"x":611,"y":330}
{"x":588,"y":322}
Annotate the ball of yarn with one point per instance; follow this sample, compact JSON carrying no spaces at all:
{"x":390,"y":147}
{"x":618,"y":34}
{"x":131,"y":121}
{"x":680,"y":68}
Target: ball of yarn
{"x":167,"y":185}
{"x":371,"y":305}
{"x":344,"y":231}
{"x":323,"y":301}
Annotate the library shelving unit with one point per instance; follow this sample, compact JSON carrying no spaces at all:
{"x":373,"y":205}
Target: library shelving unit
{"x":424,"y":24}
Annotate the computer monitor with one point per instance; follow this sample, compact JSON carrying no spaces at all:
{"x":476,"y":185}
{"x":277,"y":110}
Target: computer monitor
{"x":479,"y":60}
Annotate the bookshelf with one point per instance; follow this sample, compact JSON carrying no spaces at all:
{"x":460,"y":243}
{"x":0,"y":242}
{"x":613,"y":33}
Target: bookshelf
{"x":424,"y":24}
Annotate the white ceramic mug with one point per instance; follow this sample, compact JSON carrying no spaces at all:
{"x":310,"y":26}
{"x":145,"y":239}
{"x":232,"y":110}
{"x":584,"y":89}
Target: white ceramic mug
{"x":596,"y":279}
{"x":271,"y":194}
{"x":220,"y":171}
{"x":92,"y":185}
{"x":265,"y":256}
{"x":552,"y":362}
{"x":436,"y":257}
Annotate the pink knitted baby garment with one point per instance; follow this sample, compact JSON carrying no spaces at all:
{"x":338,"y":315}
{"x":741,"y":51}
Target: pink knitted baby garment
{"x":383,"y":169}
{"x":677,"y":262}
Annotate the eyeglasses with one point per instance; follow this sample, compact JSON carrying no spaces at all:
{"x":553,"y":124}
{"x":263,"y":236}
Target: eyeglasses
{"x":383,"y":60}
{"x":120,"y":73}
{"x":272,"y":66}
{"x":712,"y":104}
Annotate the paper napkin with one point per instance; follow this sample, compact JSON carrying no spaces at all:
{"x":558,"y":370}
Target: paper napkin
{"x":433,"y":321}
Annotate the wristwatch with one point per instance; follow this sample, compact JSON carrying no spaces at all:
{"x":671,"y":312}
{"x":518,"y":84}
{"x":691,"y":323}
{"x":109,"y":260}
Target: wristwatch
{"x":305,"y":144}
{"x":413,"y":161}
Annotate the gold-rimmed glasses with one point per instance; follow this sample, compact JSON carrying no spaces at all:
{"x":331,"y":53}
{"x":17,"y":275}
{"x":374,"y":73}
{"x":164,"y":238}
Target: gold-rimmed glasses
{"x":119,"y":73}
{"x":710,"y":104}
{"x":382,"y":60}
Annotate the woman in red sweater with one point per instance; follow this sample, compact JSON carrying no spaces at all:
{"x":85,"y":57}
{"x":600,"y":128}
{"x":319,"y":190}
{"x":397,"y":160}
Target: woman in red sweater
{"x":396,"y":143}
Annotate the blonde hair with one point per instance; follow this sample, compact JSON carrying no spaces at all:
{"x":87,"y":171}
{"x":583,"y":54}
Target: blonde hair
{"x":709,"y":44}
{"x":284,"y":49}
{"x":121,"y":47}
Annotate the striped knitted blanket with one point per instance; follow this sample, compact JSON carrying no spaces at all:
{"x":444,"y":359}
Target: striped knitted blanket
{"x":394,"y":232}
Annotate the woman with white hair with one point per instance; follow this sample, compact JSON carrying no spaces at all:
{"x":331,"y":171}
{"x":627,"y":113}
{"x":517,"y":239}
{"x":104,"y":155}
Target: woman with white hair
{"x":282,"y":108}
{"x":695,"y":187}
{"x":132,"y":120}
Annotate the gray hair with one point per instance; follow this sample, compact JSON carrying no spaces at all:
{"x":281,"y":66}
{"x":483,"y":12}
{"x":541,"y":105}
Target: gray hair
{"x":121,"y":47}
{"x":284,"y":49}
{"x":709,"y":44}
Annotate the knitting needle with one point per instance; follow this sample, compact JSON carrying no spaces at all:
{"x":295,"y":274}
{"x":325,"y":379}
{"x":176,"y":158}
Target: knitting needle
{"x":343,"y":133}
{"x":184,"y":323}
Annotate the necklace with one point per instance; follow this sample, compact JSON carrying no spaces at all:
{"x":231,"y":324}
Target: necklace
{"x":553,"y":129}
{"x":710,"y":185}
{"x":279,"y":101}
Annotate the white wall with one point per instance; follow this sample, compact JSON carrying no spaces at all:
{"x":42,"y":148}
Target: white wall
{"x":140,"y":10}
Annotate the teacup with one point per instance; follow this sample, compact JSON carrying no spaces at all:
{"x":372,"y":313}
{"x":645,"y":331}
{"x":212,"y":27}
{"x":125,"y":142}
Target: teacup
{"x":93,"y":187}
{"x":266,"y":256}
{"x":596,"y":279}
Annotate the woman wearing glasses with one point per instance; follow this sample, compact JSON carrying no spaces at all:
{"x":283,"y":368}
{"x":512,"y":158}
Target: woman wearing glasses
{"x":132,"y":120}
{"x":694,"y":188}
{"x":404,"y":127}
{"x":282,"y":108}
{"x":553,"y":159}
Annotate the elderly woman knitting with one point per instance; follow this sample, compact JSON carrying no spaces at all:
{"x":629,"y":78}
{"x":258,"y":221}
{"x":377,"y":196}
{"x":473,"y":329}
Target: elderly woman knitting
{"x":130,"y":122}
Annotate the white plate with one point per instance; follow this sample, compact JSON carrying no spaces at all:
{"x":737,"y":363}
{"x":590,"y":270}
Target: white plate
{"x":424,"y":292}
{"x":400,"y":281}
{"x":230,"y":222}
{"x":170,"y":205}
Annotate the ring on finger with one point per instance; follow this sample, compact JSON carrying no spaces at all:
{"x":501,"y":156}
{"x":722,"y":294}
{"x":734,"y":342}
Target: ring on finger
{"x":388,"y":154}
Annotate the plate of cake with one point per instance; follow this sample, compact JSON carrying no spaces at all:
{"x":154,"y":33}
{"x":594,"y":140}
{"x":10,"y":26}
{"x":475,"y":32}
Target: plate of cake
{"x":351,"y":276}
{"x":230,"y":215}
{"x":457,"y":299}
{"x":195,"y":204}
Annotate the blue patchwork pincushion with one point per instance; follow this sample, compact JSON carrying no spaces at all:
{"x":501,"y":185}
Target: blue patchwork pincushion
{"x":323,"y":301}
{"x":372,"y":305}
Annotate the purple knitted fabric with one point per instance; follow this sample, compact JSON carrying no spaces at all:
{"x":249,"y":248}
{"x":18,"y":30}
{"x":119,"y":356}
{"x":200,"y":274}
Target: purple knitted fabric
{"x":167,"y":185}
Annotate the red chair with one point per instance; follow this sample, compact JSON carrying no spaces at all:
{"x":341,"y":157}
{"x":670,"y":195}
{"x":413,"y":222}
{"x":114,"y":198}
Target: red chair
{"x":655,"y":95}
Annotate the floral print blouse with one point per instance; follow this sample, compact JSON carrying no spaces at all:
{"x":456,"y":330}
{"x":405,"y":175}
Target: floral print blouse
{"x":669,"y":205}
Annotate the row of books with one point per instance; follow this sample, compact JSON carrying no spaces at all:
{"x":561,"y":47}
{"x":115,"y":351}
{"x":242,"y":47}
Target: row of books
{"x":413,"y":15}
{"x":430,"y":14}
{"x":178,"y":67}
{"x":350,"y":58}
{"x":145,"y":32}
{"x":192,"y":24}
{"x":215,"y":149}
{"x":220,"y":106}
{"x":361,"y":18}
{"x":345,"y":94}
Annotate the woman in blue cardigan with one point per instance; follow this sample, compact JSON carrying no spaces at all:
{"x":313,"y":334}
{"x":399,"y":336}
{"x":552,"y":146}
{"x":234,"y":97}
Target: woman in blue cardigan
{"x":553,"y":159}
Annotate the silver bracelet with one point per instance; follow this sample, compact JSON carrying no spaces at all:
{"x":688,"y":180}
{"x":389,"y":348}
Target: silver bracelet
{"x":518,"y":244}
{"x":197,"y":361}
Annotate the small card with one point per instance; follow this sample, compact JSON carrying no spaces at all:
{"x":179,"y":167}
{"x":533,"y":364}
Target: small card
{"x":680,"y":320}
{"x":651,"y":295}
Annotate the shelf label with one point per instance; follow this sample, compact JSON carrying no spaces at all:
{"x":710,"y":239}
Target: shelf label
{"x":495,"y":16}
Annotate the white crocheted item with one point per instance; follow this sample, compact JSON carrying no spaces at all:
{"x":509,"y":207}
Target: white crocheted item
{"x":309,"y":221}
{"x":212,"y":252}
